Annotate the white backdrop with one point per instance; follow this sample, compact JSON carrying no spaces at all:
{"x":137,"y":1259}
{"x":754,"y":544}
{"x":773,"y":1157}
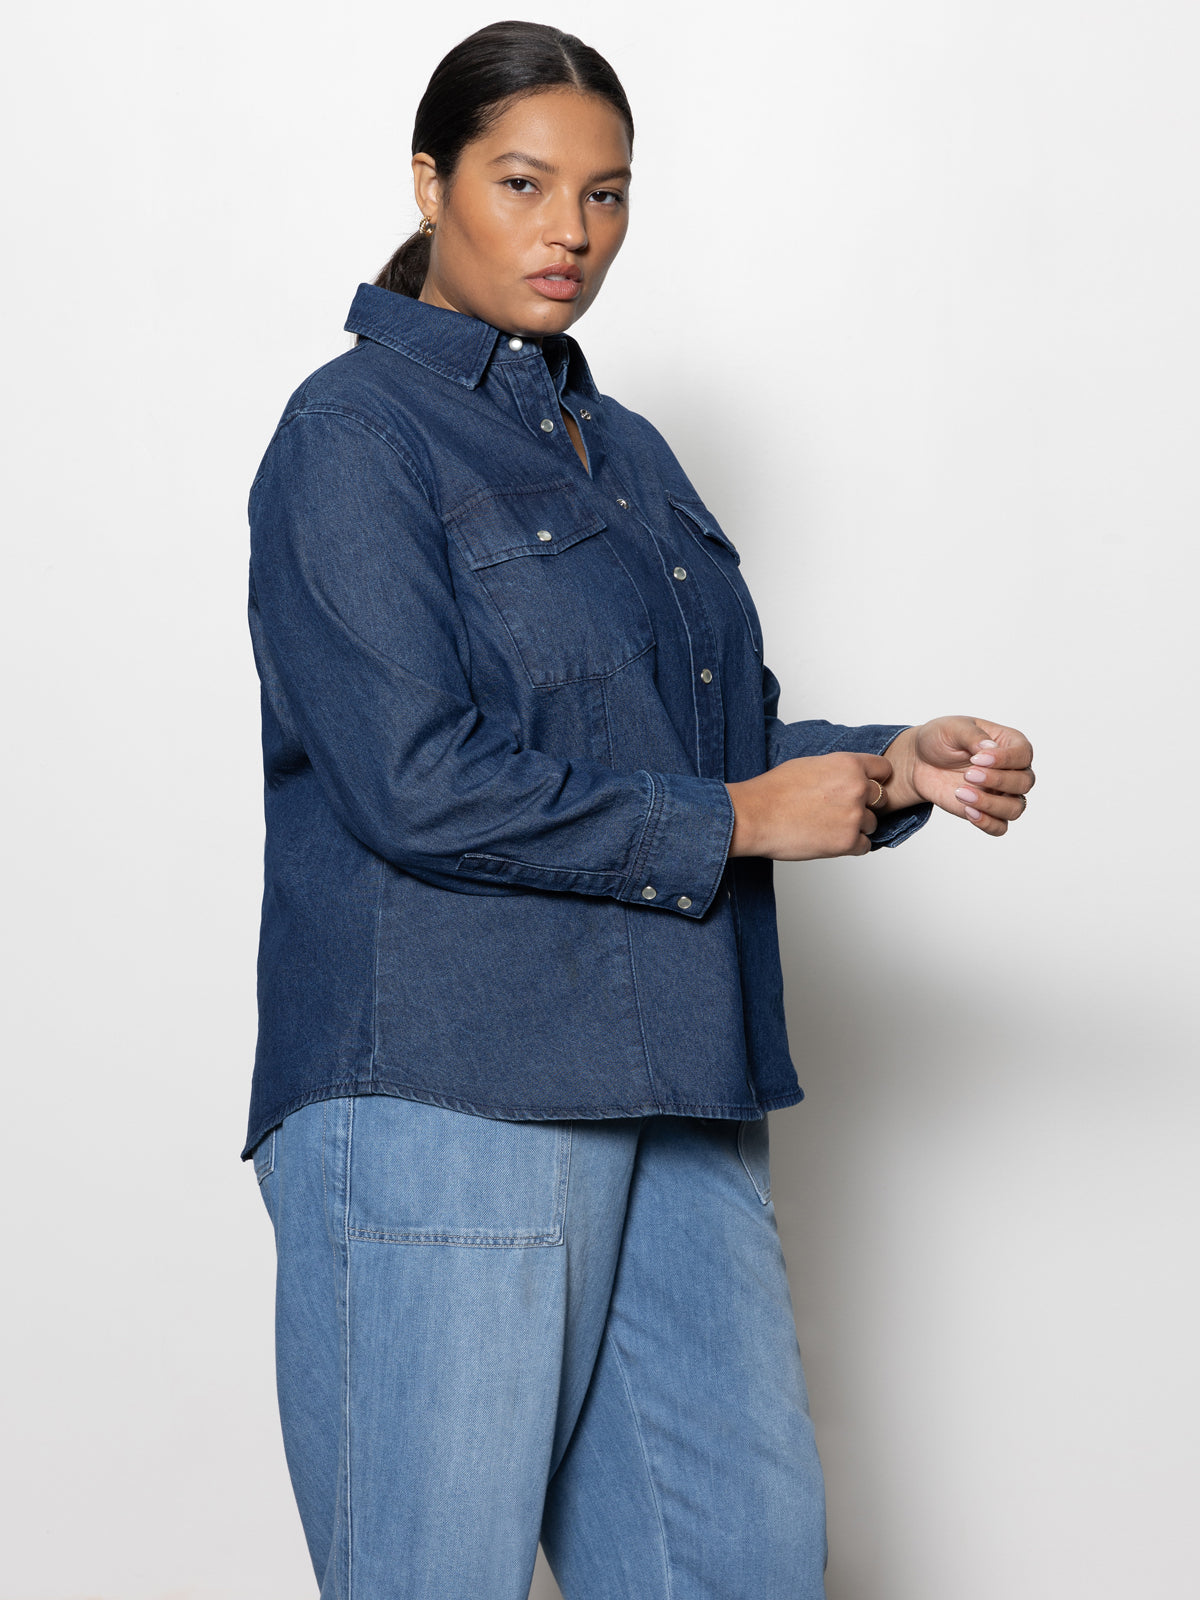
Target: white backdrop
{"x":927,"y":341}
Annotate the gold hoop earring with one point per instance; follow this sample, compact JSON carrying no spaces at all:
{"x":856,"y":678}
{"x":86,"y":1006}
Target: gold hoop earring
{"x":425,"y":228}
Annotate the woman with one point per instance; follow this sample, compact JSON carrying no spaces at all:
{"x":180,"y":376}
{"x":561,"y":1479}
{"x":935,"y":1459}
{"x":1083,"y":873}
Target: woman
{"x":521,"y":1011}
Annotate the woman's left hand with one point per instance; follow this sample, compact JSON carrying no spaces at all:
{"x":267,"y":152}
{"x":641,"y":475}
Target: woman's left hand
{"x":973,"y":769}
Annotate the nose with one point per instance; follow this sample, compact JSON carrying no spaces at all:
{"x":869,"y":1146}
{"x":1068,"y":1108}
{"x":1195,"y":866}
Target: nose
{"x":565,"y":224}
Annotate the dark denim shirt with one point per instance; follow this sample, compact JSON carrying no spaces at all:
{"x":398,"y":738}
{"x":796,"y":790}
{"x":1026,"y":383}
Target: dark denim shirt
{"x":501,"y":696}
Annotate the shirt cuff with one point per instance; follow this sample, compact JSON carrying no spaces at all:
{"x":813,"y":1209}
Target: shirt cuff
{"x":896,"y":826}
{"x":873,"y":739}
{"x":685,"y":846}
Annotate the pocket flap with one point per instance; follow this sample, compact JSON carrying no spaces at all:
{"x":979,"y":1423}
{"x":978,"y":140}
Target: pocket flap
{"x":698,"y":513}
{"x":523,"y":522}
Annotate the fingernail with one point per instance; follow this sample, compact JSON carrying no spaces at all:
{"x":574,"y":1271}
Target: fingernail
{"x":988,"y":744}
{"x":966,"y":794}
{"x":984,"y":760}
{"x":974,"y":815}
{"x":975,"y":777}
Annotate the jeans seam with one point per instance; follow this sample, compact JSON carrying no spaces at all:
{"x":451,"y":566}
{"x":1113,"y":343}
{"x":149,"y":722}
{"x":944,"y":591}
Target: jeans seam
{"x":268,"y":1160}
{"x":346,"y":1336}
{"x":637,"y":1428}
{"x":743,"y":1126}
{"x":479,"y":1240}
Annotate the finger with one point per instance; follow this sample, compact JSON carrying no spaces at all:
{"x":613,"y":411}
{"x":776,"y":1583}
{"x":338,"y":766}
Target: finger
{"x":1004,"y":807}
{"x":877,"y":767}
{"x":999,"y":746}
{"x":984,"y":823}
{"x":962,"y":735}
{"x":869,"y":821}
{"x":863,"y":846}
{"x":875,"y":796}
{"x":999,"y":781}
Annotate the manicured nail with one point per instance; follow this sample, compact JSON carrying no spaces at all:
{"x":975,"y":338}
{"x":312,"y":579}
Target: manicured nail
{"x":966,"y":794}
{"x":988,"y":744}
{"x":984,"y":760}
{"x":975,"y":777}
{"x":974,"y":815}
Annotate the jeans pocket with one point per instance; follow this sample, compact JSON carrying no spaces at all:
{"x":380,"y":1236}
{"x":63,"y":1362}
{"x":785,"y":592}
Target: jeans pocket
{"x":754,"y":1147}
{"x":264,"y":1156}
{"x":423,"y":1174}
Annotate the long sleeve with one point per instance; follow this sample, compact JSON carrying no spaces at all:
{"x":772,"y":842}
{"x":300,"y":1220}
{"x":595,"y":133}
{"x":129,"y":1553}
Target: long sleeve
{"x":362,"y":648}
{"x":817,"y":737}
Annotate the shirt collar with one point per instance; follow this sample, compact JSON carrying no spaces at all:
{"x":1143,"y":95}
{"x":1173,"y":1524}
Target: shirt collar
{"x":453,"y":344}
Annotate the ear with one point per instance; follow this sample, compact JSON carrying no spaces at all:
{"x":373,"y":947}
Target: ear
{"x":427,"y":186}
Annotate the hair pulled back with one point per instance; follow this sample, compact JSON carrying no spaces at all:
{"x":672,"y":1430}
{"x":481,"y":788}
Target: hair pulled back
{"x":471,"y":88}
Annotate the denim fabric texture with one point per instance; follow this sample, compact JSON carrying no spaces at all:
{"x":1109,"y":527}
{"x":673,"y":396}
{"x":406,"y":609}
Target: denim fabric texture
{"x":490,"y":1332}
{"x":502,"y":693}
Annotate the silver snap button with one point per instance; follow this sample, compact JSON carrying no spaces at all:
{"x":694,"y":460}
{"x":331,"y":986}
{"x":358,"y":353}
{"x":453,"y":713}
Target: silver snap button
{"x":705,"y":675}
{"x":544,"y":534}
{"x":649,"y":892}
{"x":683,"y":902}
{"x":624,"y":504}
{"x":586,"y":415}
{"x":516,"y":344}
{"x":546,"y":425}
{"x":681,"y":572}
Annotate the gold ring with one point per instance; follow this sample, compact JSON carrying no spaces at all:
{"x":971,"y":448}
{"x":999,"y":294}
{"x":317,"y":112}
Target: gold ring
{"x":879,"y":798}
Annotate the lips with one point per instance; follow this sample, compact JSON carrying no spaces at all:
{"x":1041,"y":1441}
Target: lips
{"x":561,"y":280}
{"x":559,"y":269}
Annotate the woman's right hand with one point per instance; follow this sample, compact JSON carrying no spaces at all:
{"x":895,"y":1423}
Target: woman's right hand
{"x":809,"y":807}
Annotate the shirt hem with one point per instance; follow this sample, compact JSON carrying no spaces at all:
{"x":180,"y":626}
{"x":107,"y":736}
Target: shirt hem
{"x":730,"y":1110}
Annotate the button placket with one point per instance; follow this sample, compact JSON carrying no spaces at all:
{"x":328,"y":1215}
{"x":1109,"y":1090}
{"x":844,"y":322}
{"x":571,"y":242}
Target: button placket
{"x":537,"y":398}
{"x":707,"y":698}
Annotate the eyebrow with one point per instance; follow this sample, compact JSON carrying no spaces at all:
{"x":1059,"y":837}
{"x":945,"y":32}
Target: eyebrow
{"x":525,"y":160}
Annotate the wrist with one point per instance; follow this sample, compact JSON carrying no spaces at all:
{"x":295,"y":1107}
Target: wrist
{"x":900,"y":788}
{"x":742,"y":841}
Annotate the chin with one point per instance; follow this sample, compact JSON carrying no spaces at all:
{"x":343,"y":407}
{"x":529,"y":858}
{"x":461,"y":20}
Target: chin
{"x":554,"y":318}
{"x":528,"y":314}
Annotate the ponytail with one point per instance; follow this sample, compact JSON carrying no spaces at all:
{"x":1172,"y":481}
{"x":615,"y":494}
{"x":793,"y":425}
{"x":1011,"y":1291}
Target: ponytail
{"x":405,"y":271}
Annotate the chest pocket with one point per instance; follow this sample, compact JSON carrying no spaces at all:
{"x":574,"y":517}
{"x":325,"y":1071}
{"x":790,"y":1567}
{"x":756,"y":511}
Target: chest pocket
{"x":722,"y":552}
{"x":545,"y":558}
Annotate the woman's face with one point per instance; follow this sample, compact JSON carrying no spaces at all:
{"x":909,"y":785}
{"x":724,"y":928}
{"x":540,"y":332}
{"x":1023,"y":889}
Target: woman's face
{"x":544,"y":192}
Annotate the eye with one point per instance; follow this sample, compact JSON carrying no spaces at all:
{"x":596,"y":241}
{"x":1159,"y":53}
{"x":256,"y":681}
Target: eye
{"x":608,"y":197}
{"x":527,"y":181}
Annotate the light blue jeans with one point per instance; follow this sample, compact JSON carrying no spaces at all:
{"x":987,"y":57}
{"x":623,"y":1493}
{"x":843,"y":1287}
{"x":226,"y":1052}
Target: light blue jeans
{"x":491,"y":1333}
